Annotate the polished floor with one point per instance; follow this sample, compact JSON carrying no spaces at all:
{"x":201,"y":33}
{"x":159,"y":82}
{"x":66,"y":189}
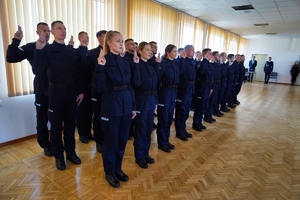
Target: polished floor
{"x":253,"y":152}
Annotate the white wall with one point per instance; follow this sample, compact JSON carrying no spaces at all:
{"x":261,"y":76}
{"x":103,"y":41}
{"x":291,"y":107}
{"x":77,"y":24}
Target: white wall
{"x":279,"y":50}
{"x":17,"y":114}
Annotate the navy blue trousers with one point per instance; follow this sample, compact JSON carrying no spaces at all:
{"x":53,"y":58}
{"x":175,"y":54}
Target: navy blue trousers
{"x":84,"y":114}
{"x":202,"y":101}
{"x":143,"y":130}
{"x":115,"y":131}
{"x":220,"y":97}
{"x":41,"y":104}
{"x":213,"y":99}
{"x":183,"y":106}
{"x":62,"y":109}
{"x":165,"y":117}
{"x":98,"y":133}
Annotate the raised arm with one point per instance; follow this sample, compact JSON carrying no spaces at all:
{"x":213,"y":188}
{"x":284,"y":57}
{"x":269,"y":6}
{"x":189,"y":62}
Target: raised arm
{"x":14,"y":53}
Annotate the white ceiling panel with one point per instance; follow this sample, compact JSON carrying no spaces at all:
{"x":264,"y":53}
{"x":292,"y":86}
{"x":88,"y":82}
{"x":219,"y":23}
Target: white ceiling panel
{"x":282,"y":15}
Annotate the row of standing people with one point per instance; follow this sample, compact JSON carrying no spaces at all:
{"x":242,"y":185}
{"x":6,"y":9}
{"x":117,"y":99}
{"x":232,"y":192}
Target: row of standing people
{"x":120,"y":91}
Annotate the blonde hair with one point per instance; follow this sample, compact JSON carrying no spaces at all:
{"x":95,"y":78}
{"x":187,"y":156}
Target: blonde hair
{"x":108,"y":36}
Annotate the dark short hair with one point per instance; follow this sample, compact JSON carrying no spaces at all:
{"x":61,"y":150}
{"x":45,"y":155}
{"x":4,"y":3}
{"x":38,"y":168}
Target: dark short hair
{"x":187,"y":46}
{"x":180,"y":49}
{"x":222,"y":54}
{"x":129,"y":39}
{"x":55,"y":22}
{"x":136,"y":43}
{"x":81,"y":32}
{"x":100,"y":33}
{"x":152,"y":42}
{"x":214,"y":52}
{"x":204,"y":51}
{"x":41,"y":23}
{"x":230,"y":56}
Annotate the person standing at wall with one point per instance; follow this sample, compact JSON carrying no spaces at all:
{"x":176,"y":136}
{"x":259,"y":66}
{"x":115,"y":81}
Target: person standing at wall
{"x":252,"y":66}
{"x":65,"y":91}
{"x":17,"y":54}
{"x":294,"y":72}
{"x":268,"y":68}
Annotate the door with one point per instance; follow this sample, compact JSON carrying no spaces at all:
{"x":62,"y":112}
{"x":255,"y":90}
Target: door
{"x":259,"y":70}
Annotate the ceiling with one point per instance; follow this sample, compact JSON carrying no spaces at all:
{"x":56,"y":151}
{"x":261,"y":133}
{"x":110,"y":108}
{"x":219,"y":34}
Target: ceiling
{"x":283,"y":16}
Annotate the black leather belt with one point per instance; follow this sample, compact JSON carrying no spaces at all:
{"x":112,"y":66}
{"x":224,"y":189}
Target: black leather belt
{"x":224,"y":79}
{"x":170,"y":86}
{"x":217,"y":81}
{"x":189,"y":82}
{"x":117,"y":88}
{"x":146,"y":92}
{"x":62,"y":84}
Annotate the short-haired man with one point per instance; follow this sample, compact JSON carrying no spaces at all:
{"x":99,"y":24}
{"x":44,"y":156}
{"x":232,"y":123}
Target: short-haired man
{"x":185,"y":89}
{"x":15,"y":54}
{"x":65,"y":91}
{"x":203,"y":89}
{"x":268,"y":68}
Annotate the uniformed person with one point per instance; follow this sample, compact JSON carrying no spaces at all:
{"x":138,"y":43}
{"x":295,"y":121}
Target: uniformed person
{"x":65,"y":91}
{"x":235,"y":66}
{"x":203,"y":89}
{"x":185,"y":89}
{"x":197,"y":63}
{"x":128,"y":56}
{"x":166,"y":97}
{"x":230,"y":81}
{"x":17,"y":54}
{"x":223,"y":84}
{"x":216,"y":87}
{"x":84,"y":111}
{"x":242,"y":72}
{"x":113,"y":77}
{"x":146,"y":98}
{"x":152,"y":60}
{"x":268,"y":68}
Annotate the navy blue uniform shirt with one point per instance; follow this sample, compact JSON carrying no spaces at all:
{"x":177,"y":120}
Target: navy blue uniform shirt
{"x":15,"y":54}
{"x":114,"y":80}
{"x":61,"y":63}
{"x":187,"y":76}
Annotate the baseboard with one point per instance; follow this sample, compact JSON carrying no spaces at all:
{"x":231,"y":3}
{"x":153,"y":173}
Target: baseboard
{"x":17,"y":140}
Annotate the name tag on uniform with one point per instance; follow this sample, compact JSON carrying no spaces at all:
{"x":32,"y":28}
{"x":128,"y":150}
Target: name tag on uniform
{"x":105,"y":119}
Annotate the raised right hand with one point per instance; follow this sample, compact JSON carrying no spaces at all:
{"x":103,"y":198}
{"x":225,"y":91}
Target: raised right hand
{"x":19,"y":34}
{"x":101,"y":59}
{"x":41,"y":42}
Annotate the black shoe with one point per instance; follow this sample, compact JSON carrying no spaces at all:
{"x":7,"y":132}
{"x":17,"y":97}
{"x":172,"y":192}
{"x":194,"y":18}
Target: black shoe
{"x":231,"y":105}
{"x":202,"y":126}
{"x":121,"y":176}
{"x":197,"y":128}
{"x":222,"y":114}
{"x":213,"y":119}
{"x":217,"y":114}
{"x":164,"y":148}
{"x":188,"y":135}
{"x":225,"y":109}
{"x":208,"y":120}
{"x":48,"y":152}
{"x":150,"y":160}
{"x":130,"y":137}
{"x":83,"y":139}
{"x":182,"y":137}
{"x":60,"y":164}
{"x":154,"y":125}
{"x":142,"y":163}
{"x":236,"y":102}
{"x":112,"y":180}
{"x":99,"y":148}
{"x":90,"y":136}
{"x":171,"y":146}
{"x":74,"y":159}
